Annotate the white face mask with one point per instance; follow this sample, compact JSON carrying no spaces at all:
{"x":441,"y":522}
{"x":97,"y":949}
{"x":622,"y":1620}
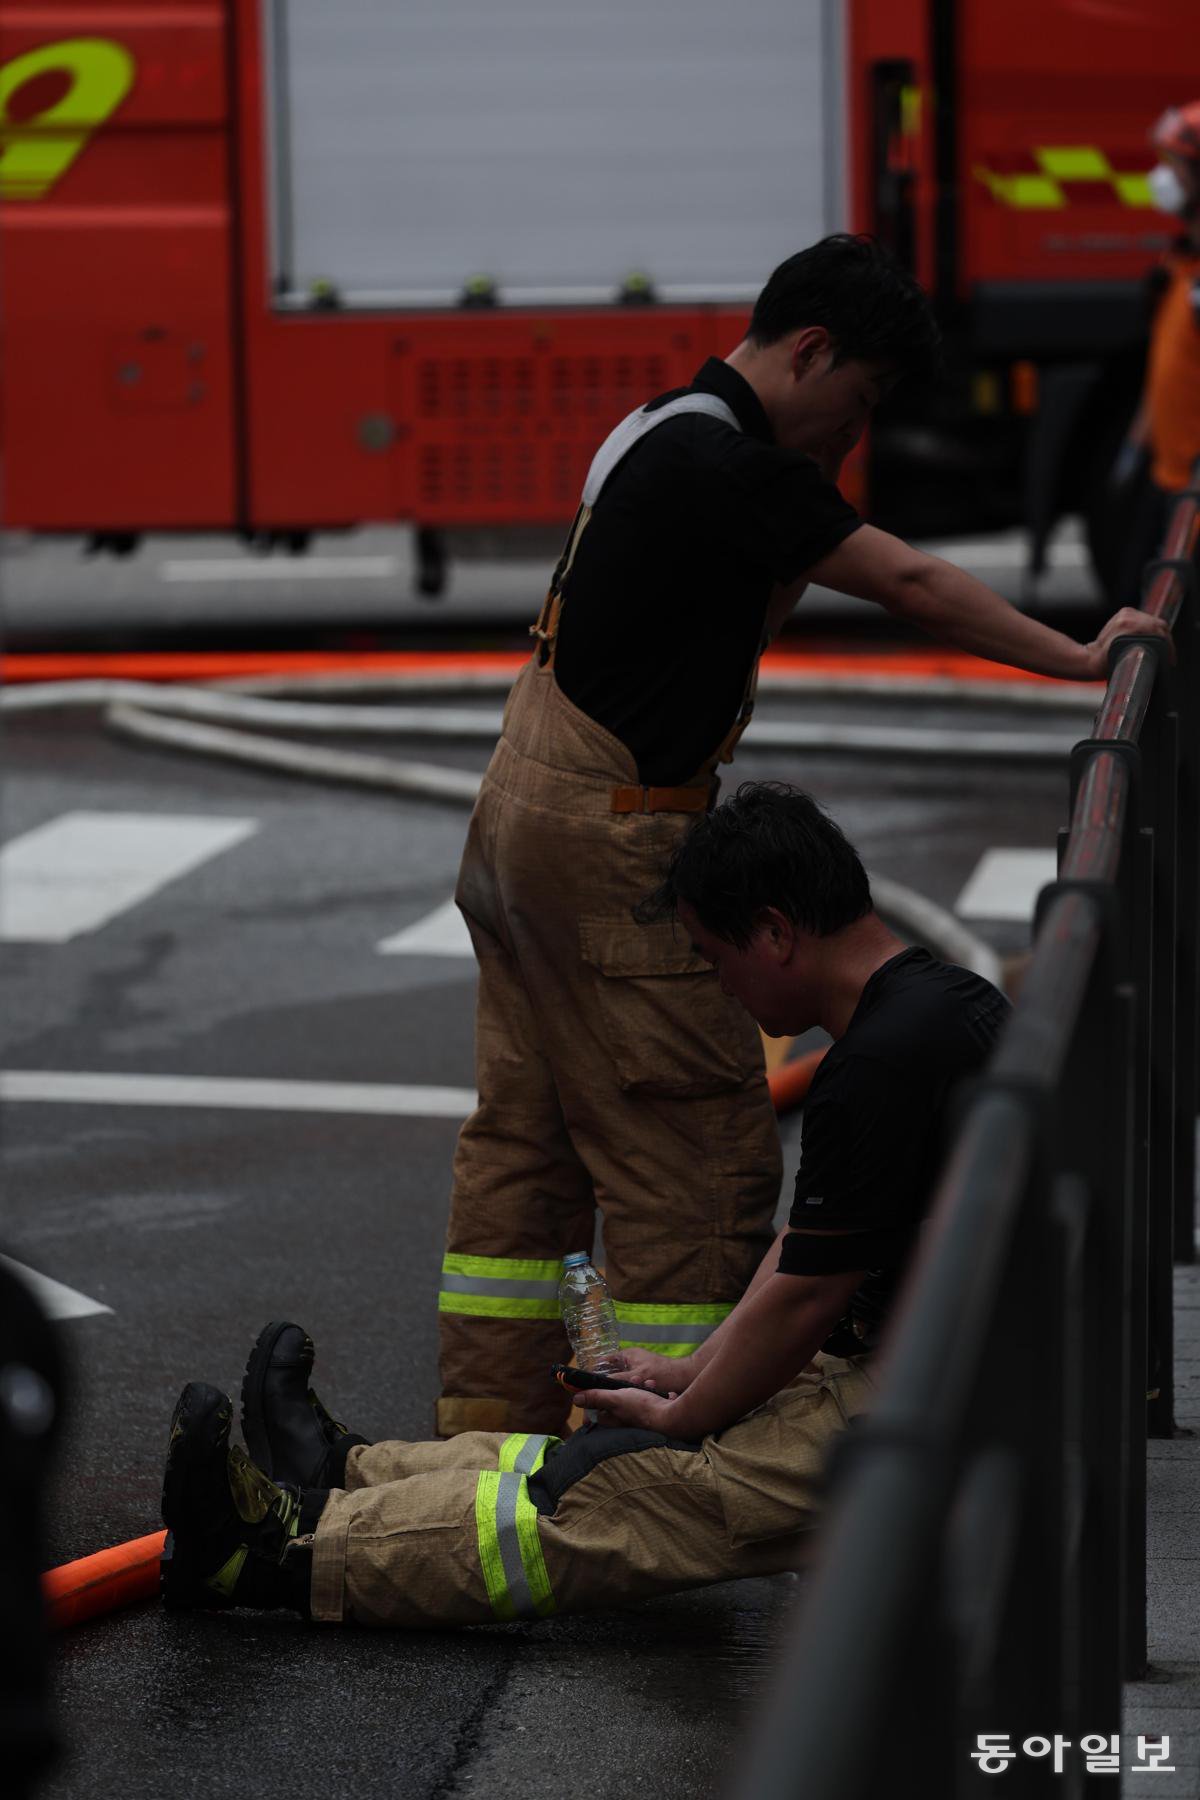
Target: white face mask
{"x":1166,"y":190}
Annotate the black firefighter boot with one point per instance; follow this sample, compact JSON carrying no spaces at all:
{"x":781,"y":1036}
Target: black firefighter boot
{"x":287,"y":1430}
{"x":233,"y":1534}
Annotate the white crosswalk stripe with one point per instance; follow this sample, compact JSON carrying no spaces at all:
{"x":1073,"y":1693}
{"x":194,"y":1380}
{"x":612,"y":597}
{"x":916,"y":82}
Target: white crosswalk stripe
{"x":1005,"y":884}
{"x":83,"y":869}
{"x":442,"y":932}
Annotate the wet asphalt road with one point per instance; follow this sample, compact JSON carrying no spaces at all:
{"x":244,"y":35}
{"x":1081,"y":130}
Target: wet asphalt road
{"x":196,"y":1225}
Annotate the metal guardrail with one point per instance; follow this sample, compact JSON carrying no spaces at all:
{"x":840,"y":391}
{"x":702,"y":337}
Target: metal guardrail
{"x":984,"y":1563}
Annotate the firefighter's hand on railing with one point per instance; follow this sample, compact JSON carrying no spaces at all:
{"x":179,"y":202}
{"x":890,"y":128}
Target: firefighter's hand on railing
{"x":1129,"y":622}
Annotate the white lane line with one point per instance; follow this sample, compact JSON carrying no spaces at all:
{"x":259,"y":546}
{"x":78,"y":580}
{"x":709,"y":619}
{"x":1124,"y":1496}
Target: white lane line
{"x":1005,"y":884}
{"x":80,"y":870}
{"x":58,"y":1301}
{"x":290,"y":568}
{"x":71,"y":1089}
{"x":440,"y":933}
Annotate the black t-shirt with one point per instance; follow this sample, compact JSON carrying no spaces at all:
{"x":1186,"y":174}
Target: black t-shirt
{"x":665,"y":605}
{"x":875,"y":1126}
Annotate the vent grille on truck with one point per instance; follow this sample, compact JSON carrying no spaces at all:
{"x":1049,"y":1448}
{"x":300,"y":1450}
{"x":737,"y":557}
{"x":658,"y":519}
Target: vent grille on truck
{"x":497,"y":431}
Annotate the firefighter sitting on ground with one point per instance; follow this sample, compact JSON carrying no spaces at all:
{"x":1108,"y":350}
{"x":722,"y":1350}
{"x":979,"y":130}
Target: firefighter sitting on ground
{"x":718,"y":1480}
{"x":1163,"y":442}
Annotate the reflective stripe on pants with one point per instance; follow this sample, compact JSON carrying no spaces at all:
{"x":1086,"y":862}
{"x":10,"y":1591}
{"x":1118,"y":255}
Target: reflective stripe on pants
{"x":671,"y":1330}
{"x":500,"y":1287}
{"x":510,"y":1550}
{"x":524,"y":1452}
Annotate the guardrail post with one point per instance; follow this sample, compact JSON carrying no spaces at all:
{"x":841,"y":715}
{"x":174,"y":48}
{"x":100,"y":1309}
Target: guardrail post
{"x":1010,"y":1519}
{"x":1160,"y":747}
{"x":1096,"y":1124}
{"x":1129,"y":968}
{"x":1088,"y":1691}
{"x":1185,"y":706}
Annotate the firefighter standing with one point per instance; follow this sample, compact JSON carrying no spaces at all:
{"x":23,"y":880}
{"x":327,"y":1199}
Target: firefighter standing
{"x":612,"y":1070}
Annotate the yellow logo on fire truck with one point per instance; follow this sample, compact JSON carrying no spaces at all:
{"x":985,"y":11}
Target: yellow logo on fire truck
{"x":35,"y":152}
{"x":1043,"y":192}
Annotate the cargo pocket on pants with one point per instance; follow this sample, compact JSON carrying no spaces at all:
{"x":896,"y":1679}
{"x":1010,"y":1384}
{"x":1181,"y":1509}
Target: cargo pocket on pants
{"x":667,"y":1026}
{"x":770,"y":1466}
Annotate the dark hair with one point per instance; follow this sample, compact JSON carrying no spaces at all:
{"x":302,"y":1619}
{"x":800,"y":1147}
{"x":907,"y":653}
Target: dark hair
{"x":770,"y":845}
{"x":873,"y":309}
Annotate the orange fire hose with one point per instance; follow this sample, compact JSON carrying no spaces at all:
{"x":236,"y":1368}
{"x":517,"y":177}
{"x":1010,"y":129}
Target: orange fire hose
{"x":103,"y":1582}
{"x":216,"y":665}
{"x":790,"y":1082}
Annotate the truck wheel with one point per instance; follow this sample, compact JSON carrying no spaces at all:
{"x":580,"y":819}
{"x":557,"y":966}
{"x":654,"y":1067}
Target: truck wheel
{"x":431,"y":562}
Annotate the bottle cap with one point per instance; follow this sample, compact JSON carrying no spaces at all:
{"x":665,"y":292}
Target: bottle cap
{"x":575,"y":1258}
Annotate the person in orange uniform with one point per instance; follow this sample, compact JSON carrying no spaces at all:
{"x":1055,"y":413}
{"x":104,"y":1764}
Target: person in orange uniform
{"x":1164,"y":440}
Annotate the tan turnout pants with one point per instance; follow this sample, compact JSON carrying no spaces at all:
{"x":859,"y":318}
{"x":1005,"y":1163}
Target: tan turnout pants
{"x":446,"y":1533}
{"x":612,"y":1072}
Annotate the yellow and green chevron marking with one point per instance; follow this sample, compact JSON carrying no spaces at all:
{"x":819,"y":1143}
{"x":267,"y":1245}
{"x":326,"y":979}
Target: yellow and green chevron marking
{"x":1043,"y":191}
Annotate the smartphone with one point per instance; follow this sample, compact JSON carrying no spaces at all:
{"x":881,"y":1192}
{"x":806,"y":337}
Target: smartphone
{"x":572,"y":1378}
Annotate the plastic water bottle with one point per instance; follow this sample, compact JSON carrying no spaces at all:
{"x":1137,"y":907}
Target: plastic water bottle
{"x":588,"y":1313}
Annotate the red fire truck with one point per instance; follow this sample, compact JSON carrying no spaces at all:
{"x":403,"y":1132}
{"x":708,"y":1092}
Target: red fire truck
{"x":278,"y":266}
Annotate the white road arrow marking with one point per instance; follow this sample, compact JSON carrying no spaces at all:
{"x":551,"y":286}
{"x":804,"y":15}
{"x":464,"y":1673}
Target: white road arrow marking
{"x":58,"y":1301}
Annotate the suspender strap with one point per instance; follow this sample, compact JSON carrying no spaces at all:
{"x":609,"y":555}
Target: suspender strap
{"x":545,"y":627}
{"x":745,"y":713}
{"x":633,"y":429}
{"x":612,"y":451}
